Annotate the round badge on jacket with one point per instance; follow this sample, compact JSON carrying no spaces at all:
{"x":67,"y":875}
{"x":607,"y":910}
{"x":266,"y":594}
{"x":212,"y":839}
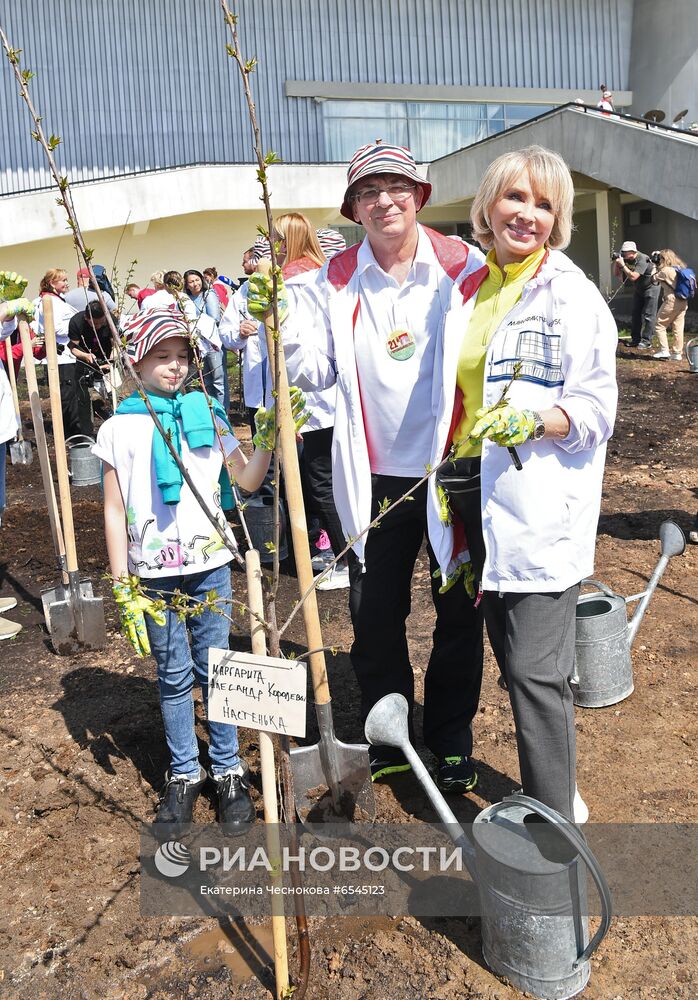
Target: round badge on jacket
{"x":401,"y":345}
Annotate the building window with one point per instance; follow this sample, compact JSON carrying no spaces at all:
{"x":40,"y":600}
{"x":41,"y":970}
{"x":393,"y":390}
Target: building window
{"x":429,"y":128}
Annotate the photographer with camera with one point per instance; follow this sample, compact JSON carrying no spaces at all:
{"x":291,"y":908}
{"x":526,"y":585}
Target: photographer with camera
{"x":674,"y":306}
{"x":631,"y":265}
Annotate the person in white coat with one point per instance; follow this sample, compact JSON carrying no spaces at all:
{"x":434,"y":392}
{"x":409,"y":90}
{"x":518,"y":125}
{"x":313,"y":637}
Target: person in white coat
{"x":375,"y":321}
{"x":12,"y":306}
{"x":539,"y":330}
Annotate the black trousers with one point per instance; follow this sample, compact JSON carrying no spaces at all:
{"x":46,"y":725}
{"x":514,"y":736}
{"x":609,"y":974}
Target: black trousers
{"x":68,"y":381}
{"x":532,"y":637}
{"x":380,"y":601}
{"x":644,"y":316}
{"x":317,"y":465}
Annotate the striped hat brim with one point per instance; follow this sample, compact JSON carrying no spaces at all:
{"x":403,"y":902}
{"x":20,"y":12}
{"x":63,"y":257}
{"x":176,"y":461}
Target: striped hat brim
{"x":147,"y":329}
{"x":381,"y":158}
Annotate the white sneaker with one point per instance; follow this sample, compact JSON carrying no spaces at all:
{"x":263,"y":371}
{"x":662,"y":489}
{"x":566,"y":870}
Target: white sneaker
{"x":321,"y":560}
{"x":579,"y":808}
{"x":7,"y":603}
{"x":661,"y":356}
{"x":8,"y":629}
{"x":677,"y":356}
{"x":336,"y":579}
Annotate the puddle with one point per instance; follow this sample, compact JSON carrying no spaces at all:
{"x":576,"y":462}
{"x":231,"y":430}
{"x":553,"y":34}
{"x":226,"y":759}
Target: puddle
{"x":246,"y":949}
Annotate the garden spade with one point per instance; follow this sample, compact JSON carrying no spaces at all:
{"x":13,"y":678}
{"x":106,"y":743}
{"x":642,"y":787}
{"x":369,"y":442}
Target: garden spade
{"x":330,"y":773}
{"x":76,"y":619}
{"x":20,"y":450}
{"x":60,"y":591}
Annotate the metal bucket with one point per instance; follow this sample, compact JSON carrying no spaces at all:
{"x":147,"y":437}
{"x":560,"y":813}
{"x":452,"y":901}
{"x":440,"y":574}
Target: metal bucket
{"x":259,"y":514}
{"x":85,"y":468}
{"x":692,"y":355}
{"x":603,"y":670}
{"x":534,"y":924}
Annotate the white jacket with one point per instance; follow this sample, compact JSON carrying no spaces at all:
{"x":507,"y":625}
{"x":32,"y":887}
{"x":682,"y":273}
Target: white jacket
{"x":319,"y":349}
{"x":8,"y":417}
{"x":232,"y":339}
{"x":256,"y":376}
{"x":539,"y":524}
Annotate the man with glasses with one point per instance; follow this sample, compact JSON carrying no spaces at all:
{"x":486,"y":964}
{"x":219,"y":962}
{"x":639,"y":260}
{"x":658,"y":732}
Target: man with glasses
{"x":376,"y":319}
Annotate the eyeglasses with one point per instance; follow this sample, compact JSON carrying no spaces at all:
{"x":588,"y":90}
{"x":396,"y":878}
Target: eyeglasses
{"x":396,"y":192}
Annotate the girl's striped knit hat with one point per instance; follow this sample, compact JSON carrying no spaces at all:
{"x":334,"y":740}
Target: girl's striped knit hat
{"x":147,"y":329}
{"x":381,"y":158}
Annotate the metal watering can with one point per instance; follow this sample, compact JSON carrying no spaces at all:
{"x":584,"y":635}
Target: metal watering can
{"x":85,"y":468}
{"x":603,"y":671}
{"x":692,"y":355}
{"x":534,"y":924}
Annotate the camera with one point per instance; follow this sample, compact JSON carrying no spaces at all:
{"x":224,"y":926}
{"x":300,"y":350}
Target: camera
{"x":655,"y":256}
{"x":615,"y":254}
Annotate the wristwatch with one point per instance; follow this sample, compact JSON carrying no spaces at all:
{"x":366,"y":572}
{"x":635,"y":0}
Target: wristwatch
{"x":538,"y":426}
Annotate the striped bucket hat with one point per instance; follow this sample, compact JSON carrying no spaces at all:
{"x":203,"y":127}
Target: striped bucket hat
{"x":147,"y":329}
{"x":381,"y":158}
{"x":331,"y":242}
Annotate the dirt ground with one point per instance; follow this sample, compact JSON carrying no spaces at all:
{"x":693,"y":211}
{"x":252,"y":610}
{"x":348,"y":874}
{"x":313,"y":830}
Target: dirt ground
{"x":85,"y":755}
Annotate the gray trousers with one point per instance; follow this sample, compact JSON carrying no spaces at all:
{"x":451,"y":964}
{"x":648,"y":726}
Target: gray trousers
{"x":532,"y":636}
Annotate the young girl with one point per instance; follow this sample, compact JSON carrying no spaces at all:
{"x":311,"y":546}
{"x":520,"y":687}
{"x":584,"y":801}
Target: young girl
{"x":157,"y":532}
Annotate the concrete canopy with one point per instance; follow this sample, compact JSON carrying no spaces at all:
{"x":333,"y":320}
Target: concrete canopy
{"x":658,"y":165}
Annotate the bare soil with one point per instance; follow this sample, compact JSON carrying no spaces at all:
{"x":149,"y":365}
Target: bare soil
{"x":85,"y":755}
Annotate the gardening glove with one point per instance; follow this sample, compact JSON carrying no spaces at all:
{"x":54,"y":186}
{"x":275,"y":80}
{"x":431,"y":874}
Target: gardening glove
{"x":504,"y":425}
{"x":12,"y":285}
{"x":259,"y":296}
{"x":265,"y":420}
{"x":133,"y":606}
{"x":465,"y":572}
{"x":444,"y":508}
{"x":15,"y":307}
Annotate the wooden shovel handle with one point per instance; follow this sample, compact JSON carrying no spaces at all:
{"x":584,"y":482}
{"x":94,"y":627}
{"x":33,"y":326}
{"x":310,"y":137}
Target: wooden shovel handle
{"x":59,"y":437}
{"x":41,"y":445}
{"x":296,"y":513}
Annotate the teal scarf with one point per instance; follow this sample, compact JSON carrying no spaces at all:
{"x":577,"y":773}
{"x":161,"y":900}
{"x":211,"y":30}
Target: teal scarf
{"x":188,"y":413}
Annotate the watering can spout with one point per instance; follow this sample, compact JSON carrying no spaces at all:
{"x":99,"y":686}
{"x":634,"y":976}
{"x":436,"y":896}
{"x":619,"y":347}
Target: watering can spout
{"x":672,"y":543}
{"x":672,"y":539}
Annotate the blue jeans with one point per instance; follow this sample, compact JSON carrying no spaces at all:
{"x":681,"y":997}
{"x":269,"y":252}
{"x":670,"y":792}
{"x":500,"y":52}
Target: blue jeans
{"x":182,"y":659}
{"x":3,"y":456}
{"x":214,"y":376}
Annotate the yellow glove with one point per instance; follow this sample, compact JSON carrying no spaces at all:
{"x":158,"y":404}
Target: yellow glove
{"x":133,"y":606}
{"x":265,"y":420}
{"x":503,"y":424}
{"x":259,"y":296}
{"x":12,"y":285}
{"x":18,"y":307}
{"x":464,"y":571}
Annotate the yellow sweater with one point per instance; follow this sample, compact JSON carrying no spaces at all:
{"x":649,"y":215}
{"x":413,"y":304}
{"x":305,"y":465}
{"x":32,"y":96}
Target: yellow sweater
{"x":497,"y":295}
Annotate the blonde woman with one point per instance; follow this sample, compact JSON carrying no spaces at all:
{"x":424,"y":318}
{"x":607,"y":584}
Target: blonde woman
{"x":301,"y":256}
{"x":298,"y":241}
{"x":53,"y":286}
{"x":538,"y":330}
{"x":672,"y":312}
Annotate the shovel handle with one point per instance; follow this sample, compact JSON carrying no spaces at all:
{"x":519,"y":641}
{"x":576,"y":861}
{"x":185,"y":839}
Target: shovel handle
{"x":255,"y":600}
{"x":42,"y":446}
{"x":296,"y":511}
{"x":59,"y":436}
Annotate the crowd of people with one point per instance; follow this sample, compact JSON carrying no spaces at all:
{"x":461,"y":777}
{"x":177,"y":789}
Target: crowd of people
{"x":490,"y":365}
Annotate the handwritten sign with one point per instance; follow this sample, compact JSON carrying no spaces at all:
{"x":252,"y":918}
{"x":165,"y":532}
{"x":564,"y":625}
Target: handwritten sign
{"x":257,"y":692}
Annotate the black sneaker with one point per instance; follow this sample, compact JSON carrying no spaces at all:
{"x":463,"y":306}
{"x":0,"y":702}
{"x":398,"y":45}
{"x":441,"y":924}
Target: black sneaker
{"x":235,"y":809}
{"x":456,"y":774}
{"x":177,"y":802}
{"x":385,"y":761}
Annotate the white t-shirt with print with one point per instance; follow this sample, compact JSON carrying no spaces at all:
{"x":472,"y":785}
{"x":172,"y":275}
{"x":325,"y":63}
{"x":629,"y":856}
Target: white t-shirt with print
{"x":165,"y":539}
